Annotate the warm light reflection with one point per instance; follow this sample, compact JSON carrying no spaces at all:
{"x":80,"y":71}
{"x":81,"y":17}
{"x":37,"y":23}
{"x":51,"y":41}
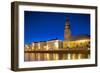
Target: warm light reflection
{"x":54,"y":56}
{"x":69,"y":56}
{"x":47,"y":55}
{"x":79,"y":56}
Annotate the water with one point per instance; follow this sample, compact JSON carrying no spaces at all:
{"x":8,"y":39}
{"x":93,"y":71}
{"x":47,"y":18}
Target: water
{"x":54,"y":56}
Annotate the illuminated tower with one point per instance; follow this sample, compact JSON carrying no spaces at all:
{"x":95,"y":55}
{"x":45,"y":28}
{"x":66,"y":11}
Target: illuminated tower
{"x":67,"y":32}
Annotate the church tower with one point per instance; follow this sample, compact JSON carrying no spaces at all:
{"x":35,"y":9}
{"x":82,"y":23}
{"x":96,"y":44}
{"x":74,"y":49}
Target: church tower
{"x":67,"y":32}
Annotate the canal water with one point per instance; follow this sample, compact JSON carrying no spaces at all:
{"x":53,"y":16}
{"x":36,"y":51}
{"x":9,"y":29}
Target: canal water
{"x":54,"y":56}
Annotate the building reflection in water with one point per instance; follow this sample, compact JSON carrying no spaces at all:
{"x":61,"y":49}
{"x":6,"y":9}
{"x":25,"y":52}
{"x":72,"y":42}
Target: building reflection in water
{"x":54,"y":56}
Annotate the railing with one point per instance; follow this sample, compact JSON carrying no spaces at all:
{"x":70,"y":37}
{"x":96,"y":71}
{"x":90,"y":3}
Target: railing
{"x":67,"y":50}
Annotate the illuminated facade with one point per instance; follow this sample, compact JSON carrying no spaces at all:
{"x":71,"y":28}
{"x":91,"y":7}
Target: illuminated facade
{"x":54,"y":44}
{"x":84,"y":42}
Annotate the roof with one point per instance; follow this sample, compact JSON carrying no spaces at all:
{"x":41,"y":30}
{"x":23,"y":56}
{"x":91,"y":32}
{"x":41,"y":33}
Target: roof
{"x":79,"y":37}
{"x":72,"y":38}
{"x":54,"y":39}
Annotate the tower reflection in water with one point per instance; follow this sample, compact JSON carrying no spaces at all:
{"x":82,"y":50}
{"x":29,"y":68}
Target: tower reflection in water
{"x":54,"y":56}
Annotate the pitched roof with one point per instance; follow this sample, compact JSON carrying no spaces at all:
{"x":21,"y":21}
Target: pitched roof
{"x":79,"y":37}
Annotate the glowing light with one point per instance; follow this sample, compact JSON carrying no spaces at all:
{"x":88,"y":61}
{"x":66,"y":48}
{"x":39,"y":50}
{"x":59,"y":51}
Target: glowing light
{"x":27,"y":46}
{"x":56,"y":44}
{"x":47,"y":47}
{"x":33,"y":46}
{"x":82,"y":40}
{"x":38,"y":45}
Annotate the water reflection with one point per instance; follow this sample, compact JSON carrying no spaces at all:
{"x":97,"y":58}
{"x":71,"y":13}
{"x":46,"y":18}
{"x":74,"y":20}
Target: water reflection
{"x":54,"y":56}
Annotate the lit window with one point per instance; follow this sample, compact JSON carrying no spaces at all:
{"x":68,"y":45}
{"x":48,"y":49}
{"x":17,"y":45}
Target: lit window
{"x":38,"y":45}
{"x":56,"y":44}
{"x":47,"y":47}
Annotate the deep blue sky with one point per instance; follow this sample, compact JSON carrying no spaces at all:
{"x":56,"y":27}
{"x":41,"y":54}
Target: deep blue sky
{"x":43,"y":26}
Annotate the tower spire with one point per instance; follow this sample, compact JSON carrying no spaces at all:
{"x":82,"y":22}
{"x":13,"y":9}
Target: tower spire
{"x":67,"y":32}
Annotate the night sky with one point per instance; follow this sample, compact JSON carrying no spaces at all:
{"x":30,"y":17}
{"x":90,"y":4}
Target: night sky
{"x":43,"y":26}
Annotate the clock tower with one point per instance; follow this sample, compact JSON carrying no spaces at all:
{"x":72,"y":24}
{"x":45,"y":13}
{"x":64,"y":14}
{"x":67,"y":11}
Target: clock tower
{"x":67,"y":32}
